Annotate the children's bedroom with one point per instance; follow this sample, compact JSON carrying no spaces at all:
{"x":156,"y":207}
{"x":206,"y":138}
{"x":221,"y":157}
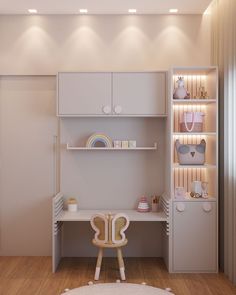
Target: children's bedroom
{"x":117,"y":142}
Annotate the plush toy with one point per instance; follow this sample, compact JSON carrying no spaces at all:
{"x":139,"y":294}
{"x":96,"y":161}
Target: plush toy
{"x":180,"y":92}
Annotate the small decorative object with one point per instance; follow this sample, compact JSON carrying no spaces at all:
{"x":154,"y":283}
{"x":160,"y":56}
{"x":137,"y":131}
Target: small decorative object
{"x":155,"y":203}
{"x":199,"y":189}
{"x":191,"y":154}
{"x":72,"y":205}
{"x":180,"y":193}
{"x":117,"y":144}
{"x":143,"y":205}
{"x":99,"y":140}
{"x":196,"y":188}
{"x":132,"y":143}
{"x":191,"y":122}
{"x":180,"y":92}
{"x":204,"y":189}
{"x":125,"y":144}
{"x":202,"y":93}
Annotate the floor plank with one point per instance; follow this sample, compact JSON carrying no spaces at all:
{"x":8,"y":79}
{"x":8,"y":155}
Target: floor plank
{"x":33,"y":276}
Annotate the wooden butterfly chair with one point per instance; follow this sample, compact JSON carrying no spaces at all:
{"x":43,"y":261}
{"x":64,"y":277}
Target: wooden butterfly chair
{"x":109,"y":233}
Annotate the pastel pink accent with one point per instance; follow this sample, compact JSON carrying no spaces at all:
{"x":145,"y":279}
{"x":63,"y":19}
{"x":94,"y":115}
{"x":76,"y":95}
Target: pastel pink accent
{"x":143,"y":205}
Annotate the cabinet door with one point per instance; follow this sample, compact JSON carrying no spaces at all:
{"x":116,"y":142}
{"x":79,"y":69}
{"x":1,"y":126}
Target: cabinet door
{"x":139,"y":93}
{"x":84,"y":93}
{"x":195,"y":237}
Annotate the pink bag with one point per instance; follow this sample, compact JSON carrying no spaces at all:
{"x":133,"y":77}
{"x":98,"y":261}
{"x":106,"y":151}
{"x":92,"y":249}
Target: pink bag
{"x":191,"y":122}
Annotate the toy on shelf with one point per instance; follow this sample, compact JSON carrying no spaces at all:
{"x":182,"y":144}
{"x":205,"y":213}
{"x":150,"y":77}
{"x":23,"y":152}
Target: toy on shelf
{"x":143,"y":205}
{"x":155,"y":203}
{"x":191,"y":154}
{"x":132,"y":144}
{"x":203,"y":93}
{"x":125,"y":144}
{"x":180,"y":193}
{"x":72,"y":205}
{"x":117,"y":144}
{"x":191,"y":122}
{"x":199,"y":189}
{"x":180,"y":92}
{"x":99,"y":140}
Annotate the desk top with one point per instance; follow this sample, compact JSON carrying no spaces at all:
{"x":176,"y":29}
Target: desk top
{"x":85,"y":215}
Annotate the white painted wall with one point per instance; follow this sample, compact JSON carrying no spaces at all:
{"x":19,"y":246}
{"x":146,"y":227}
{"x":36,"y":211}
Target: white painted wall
{"x":42,"y":45}
{"x":47,"y":44}
{"x":27,"y":126}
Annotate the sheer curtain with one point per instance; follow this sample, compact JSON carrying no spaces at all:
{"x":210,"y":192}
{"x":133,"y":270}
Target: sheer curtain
{"x":224,"y":55}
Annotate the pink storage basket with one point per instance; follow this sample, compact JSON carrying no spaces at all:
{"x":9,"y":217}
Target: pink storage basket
{"x":192,"y":122}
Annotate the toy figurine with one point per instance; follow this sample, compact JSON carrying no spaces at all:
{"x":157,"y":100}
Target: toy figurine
{"x":180,"y":92}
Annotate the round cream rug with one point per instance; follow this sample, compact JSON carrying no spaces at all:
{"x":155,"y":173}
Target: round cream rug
{"x":117,"y":289}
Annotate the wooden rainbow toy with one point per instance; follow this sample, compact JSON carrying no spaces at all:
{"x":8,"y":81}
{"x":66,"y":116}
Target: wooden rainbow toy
{"x":99,"y":140}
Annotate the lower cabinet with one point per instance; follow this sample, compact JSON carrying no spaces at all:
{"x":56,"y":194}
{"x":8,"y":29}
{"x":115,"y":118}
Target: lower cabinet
{"x":195,"y":237}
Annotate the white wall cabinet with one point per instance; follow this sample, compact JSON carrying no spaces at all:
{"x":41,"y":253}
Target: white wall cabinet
{"x":84,"y":94}
{"x":114,"y":94}
{"x":139,"y":93}
{"x":195,"y":236}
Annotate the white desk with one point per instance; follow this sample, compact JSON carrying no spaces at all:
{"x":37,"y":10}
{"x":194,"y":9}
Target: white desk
{"x":85,"y":215}
{"x":60,"y":216}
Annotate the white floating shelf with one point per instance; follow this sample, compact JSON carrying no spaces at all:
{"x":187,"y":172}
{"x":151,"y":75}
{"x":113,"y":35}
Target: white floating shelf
{"x":68,"y":147}
{"x":194,"y":133}
{"x":177,"y":165}
{"x":193,"y":101}
{"x":85,"y":215}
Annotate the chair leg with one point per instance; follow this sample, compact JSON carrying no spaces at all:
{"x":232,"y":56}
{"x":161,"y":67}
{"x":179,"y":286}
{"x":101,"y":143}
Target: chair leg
{"x":121,"y":264}
{"x":99,"y":264}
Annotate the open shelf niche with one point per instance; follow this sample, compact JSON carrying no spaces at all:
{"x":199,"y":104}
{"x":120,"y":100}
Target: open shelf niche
{"x":184,"y":175}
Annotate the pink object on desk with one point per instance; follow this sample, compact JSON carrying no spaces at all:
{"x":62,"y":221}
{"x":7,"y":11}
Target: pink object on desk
{"x":143,"y":205}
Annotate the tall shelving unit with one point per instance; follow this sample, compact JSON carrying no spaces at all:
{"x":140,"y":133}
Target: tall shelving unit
{"x":195,"y":221}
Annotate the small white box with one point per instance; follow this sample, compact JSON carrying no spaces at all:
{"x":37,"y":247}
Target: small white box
{"x":125,"y":144}
{"x":132,"y":143}
{"x":117,"y":144}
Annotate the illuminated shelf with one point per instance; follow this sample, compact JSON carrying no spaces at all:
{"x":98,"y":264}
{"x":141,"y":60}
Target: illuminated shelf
{"x":190,"y":199}
{"x":177,"y":165}
{"x":193,"y":101}
{"x":195,"y":133}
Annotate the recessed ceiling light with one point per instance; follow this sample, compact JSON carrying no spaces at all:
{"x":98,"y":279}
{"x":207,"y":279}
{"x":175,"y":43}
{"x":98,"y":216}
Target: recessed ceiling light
{"x":83,"y":10}
{"x":173,"y":10}
{"x":31,"y":10}
{"x":132,"y":10}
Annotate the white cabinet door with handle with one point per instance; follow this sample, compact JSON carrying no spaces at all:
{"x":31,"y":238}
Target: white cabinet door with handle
{"x":195,"y":236}
{"x":139,"y":93}
{"x":84,"y":94}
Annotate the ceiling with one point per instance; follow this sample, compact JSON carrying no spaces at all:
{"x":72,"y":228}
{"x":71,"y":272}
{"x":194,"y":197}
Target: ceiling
{"x":103,"y":6}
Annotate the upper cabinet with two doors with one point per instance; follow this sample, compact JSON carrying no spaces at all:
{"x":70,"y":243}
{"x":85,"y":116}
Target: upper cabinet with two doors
{"x":112,"y":94}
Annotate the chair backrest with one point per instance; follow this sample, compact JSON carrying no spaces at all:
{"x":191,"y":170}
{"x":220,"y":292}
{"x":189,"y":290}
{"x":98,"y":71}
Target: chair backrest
{"x":110,"y":228}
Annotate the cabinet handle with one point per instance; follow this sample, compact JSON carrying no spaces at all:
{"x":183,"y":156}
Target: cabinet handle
{"x":106,"y":109}
{"x":207,"y":207}
{"x":117,"y":109}
{"x":180,"y":207}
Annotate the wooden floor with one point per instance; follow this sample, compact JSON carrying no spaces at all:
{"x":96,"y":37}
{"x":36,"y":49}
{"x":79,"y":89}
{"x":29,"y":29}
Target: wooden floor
{"x":32,"y":276}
